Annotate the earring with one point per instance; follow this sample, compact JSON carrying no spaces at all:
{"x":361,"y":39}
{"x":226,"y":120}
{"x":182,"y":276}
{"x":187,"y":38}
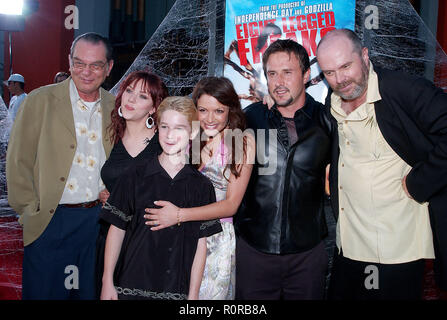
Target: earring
{"x":119,"y":112}
{"x":150,"y":122}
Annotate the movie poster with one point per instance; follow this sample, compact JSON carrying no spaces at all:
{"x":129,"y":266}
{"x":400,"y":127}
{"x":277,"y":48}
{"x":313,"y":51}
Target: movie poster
{"x":251,"y":25}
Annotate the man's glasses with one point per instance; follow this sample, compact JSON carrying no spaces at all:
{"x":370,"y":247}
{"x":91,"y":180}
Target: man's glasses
{"x":97,"y":66}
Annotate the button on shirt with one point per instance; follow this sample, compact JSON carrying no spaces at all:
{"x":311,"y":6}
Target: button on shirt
{"x":84,"y":182}
{"x":377,"y":221}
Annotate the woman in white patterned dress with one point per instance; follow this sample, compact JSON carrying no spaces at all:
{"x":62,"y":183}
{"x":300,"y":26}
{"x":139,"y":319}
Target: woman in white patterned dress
{"x":226,"y":159}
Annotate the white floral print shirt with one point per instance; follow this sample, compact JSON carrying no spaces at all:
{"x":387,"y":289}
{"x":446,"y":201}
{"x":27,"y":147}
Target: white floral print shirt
{"x":84,"y":181}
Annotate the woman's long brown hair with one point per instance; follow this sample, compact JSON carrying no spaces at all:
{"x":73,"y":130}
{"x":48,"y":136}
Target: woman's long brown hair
{"x":222,"y":90}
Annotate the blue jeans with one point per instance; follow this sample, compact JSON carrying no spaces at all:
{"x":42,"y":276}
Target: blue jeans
{"x":60,"y":264}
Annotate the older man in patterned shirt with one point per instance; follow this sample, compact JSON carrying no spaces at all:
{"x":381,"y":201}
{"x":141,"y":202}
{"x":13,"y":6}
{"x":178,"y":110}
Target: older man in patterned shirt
{"x":57,"y":147}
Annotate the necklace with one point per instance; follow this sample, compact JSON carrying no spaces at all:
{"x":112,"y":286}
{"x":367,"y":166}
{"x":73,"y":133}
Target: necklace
{"x":208,"y":150}
{"x":146,"y":140}
{"x":211,"y":144}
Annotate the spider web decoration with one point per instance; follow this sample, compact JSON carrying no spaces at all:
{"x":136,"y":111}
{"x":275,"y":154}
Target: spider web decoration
{"x":402,"y":41}
{"x":183,"y":48}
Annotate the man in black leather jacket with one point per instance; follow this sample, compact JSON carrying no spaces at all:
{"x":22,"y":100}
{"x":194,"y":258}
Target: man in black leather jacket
{"x":280,"y":225}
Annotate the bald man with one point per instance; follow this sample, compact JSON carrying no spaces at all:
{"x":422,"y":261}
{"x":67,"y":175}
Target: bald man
{"x":388,"y":176}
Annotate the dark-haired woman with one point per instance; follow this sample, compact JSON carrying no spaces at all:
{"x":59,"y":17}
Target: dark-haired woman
{"x":133,"y":131}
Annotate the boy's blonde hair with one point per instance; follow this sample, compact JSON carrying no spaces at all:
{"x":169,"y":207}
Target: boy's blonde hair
{"x":183,"y":105}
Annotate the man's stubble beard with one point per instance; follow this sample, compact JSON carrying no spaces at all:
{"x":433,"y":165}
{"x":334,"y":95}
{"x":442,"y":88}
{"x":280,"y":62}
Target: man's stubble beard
{"x":287,"y":103}
{"x":360,"y":86}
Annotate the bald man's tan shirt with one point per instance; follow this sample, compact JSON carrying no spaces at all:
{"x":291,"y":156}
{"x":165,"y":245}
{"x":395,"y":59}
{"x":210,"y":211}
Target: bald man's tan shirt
{"x":377,"y":221}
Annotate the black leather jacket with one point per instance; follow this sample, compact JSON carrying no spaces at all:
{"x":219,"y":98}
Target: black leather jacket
{"x":282,"y":211}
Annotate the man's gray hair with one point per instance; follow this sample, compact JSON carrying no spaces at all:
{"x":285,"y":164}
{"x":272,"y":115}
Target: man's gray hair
{"x":94,"y":38}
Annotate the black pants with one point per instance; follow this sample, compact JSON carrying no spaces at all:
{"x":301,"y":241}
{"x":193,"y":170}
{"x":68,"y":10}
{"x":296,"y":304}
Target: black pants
{"x":261,"y":276}
{"x":357,"y":280}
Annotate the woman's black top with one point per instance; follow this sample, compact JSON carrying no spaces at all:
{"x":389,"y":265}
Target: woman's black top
{"x":120,"y":160}
{"x":157,"y":264}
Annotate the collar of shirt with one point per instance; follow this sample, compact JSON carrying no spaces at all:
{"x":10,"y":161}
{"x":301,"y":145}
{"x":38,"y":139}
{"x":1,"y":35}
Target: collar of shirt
{"x":361,"y":112}
{"x":154,"y":167}
{"x":20,"y":95}
{"x":13,"y":98}
{"x":307,"y":110}
{"x":77,"y":101}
